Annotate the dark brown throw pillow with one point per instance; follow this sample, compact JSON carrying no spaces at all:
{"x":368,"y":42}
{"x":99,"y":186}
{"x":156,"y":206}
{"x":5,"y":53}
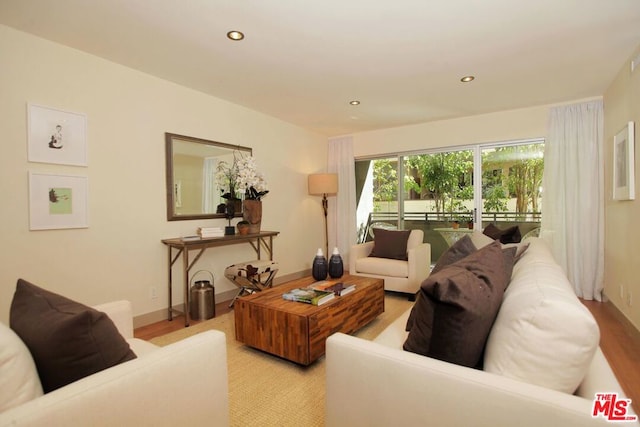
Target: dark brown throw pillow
{"x":521,"y":248}
{"x":390,"y":244}
{"x":509,"y":235}
{"x":460,"y":249}
{"x":492,"y":231}
{"x":510,"y":259}
{"x":67,"y":340}
{"x":458,"y":305}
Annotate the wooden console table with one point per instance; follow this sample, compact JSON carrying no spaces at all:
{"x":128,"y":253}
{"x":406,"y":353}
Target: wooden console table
{"x":180,"y":246}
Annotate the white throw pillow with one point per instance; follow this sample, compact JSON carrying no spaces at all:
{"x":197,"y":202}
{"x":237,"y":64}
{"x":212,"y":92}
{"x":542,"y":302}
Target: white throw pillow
{"x":19,"y":381}
{"x":543,"y":334}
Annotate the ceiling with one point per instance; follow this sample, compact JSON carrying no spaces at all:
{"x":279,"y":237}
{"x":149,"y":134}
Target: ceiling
{"x":303,"y":61}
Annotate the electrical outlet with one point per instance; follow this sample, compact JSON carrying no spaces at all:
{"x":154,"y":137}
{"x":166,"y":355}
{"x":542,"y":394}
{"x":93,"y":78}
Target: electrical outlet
{"x":621,"y":291}
{"x":629,"y":298}
{"x":154,"y":292}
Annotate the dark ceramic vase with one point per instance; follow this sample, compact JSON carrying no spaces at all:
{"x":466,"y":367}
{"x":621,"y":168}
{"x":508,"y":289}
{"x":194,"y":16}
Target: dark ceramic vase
{"x":319,"y":267}
{"x":336,"y":268}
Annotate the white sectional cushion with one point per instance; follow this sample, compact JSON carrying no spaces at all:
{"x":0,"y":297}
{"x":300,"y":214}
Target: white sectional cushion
{"x":382,"y":267}
{"x":479,"y":239}
{"x":395,"y":334}
{"x":140,"y":347}
{"x":19,"y":381}
{"x":543,"y":335}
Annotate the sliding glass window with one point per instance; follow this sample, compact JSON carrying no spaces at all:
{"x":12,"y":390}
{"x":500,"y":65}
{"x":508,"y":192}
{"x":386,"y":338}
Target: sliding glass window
{"x":447,"y":193}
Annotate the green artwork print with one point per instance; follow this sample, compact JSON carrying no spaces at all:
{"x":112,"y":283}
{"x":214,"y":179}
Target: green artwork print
{"x":60,"y":201}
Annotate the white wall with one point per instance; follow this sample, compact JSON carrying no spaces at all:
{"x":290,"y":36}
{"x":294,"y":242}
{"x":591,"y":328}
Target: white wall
{"x":120,"y":255}
{"x":509,"y":125}
{"x":621,"y":105}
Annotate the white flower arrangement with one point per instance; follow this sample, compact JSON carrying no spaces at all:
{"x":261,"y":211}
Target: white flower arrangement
{"x":250,"y":180}
{"x":241,"y":176}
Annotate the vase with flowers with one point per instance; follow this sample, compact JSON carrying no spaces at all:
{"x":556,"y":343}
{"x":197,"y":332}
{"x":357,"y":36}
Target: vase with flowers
{"x":254,"y":186}
{"x":241,"y":177}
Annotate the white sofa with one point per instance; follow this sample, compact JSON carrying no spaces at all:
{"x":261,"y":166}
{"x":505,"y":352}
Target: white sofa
{"x":399,"y":276}
{"x":184,"y":383}
{"x":542,"y":339}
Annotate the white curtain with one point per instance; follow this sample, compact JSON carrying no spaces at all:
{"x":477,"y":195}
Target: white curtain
{"x":342,"y":211}
{"x":573,"y":195}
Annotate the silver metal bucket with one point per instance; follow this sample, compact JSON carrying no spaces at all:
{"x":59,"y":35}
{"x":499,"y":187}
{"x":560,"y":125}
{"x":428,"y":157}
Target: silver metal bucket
{"x":202,"y":298}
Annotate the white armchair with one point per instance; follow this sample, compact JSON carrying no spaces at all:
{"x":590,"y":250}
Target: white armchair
{"x":163,"y":386}
{"x":399,"y":276}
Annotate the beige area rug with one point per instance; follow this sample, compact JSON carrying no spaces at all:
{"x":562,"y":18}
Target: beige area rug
{"x":265,"y":390}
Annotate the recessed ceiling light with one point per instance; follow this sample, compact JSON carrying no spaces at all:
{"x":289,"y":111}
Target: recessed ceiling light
{"x":235,"y":35}
{"x":354,"y":102}
{"x":467,"y":79}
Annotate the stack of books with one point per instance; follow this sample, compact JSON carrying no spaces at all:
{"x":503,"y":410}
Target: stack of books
{"x":207,"y":232}
{"x":309,"y":296}
{"x":339,"y":289}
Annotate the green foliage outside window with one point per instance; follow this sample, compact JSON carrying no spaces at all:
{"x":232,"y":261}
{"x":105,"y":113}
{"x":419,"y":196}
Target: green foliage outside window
{"x":441,"y":177}
{"x":385,"y":181}
{"x":510,"y":172}
{"x":525,"y":165}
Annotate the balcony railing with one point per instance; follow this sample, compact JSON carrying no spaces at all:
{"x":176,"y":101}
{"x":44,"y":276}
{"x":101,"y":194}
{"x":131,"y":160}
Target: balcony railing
{"x":446,"y":216}
{"x":430,"y":220}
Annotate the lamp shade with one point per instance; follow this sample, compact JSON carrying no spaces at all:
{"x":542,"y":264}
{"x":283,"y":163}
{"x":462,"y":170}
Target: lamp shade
{"x":323,"y":183}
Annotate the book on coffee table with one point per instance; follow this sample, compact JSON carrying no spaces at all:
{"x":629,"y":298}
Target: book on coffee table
{"x":339,"y":289}
{"x":309,"y":296}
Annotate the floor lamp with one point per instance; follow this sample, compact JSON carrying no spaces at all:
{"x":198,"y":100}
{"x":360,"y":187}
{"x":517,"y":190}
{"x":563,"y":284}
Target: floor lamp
{"x":322,"y":184}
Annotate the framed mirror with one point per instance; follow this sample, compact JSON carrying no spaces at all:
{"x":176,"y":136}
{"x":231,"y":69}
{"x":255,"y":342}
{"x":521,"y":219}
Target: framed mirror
{"x":191,"y":166}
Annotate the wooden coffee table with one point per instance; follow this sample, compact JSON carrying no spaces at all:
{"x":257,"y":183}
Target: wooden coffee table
{"x":297,"y":331}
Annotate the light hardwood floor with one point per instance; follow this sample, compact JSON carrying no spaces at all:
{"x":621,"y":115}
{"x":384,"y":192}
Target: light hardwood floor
{"x":162,"y":328}
{"x":620,"y":343}
{"x":619,"y":340}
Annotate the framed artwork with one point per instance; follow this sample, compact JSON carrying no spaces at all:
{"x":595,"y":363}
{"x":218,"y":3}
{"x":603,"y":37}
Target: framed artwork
{"x":57,"y":201}
{"x":624,"y":164}
{"x":56,"y":136}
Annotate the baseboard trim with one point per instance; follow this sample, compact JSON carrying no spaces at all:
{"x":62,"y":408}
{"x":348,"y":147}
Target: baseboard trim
{"x":621,"y":316}
{"x":226,"y":296}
